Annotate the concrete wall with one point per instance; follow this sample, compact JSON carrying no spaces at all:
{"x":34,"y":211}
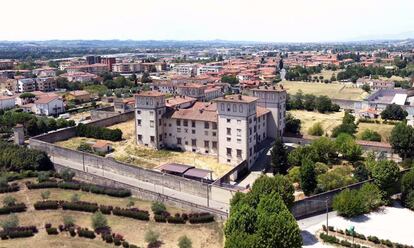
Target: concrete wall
{"x":145,"y":194}
{"x":317,"y":204}
{"x":346,"y":104}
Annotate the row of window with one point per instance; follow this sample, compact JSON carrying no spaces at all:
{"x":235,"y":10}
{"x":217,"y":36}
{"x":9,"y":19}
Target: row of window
{"x":230,"y":150}
{"x":193,"y":124}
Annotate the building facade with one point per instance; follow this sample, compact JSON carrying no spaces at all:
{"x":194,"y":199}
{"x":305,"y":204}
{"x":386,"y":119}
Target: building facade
{"x":231,"y":127}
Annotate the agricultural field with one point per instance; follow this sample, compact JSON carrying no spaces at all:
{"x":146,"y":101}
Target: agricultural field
{"x":202,"y":235}
{"x":332,"y":90}
{"x":330,"y":120}
{"x":129,"y":152}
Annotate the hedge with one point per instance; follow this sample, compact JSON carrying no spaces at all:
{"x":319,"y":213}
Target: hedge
{"x":96,"y":132}
{"x":86,"y":233}
{"x":17,"y":208}
{"x":131,"y":213}
{"x":80,"y":206}
{"x":44,"y":185}
{"x":97,"y":189}
{"x":43,"y":205}
{"x":106,"y":209}
{"x":69,"y":185}
{"x":52,"y":231}
{"x":18,"y":232}
{"x":14,"y":187}
{"x":195,"y":218}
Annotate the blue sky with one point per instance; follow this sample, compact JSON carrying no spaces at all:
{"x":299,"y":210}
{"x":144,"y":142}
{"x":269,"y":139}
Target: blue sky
{"x":252,"y":20}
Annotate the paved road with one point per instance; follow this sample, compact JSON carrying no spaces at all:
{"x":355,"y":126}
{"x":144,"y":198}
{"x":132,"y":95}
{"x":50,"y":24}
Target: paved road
{"x":310,"y":225}
{"x":143,"y":185}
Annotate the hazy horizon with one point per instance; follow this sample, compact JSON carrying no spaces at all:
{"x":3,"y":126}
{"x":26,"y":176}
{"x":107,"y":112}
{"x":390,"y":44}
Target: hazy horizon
{"x":188,"y":20}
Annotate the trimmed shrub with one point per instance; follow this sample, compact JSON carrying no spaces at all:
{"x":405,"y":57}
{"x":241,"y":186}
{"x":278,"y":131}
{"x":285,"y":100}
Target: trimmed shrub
{"x":43,"y":185}
{"x":69,"y":185}
{"x":134,"y":213}
{"x":52,"y":231}
{"x":85,"y":233}
{"x":125,"y":244}
{"x":106,"y":209}
{"x":374,"y":239}
{"x":177,"y":219}
{"x":329,"y":239}
{"x":20,"y":234}
{"x":160,"y":218}
{"x":16,"y":208}
{"x":80,"y":206}
{"x":14,"y":187}
{"x":117,"y":242}
{"x":96,"y":189}
{"x":43,"y":205}
{"x":196,"y":218}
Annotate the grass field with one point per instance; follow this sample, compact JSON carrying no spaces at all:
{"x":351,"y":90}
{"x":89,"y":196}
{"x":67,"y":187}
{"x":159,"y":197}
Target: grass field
{"x":202,"y":235}
{"x":129,"y":152}
{"x":331,"y":120}
{"x":332,"y":90}
{"x":308,"y":119}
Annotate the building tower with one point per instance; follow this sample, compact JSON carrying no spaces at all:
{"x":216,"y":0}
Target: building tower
{"x":274,"y":99}
{"x":18,"y":134}
{"x":149,"y":109}
{"x":236,"y":129}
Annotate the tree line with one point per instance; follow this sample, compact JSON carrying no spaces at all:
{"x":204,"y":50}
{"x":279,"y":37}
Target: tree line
{"x":311,"y":102}
{"x":96,"y":132}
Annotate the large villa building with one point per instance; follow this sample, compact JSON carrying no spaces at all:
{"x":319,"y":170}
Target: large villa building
{"x":231,"y":127}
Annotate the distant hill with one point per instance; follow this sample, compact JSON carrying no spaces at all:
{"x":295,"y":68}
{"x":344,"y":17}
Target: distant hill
{"x":400,"y":36}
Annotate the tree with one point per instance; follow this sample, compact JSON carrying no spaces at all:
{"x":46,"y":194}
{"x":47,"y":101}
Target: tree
{"x":407,"y":186}
{"x":266,"y":185}
{"x":75,"y":198}
{"x":145,"y":78}
{"x":27,"y":95}
{"x":184,"y":242}
{"x":151,"y":237}
{"x":348,"y":126}
{"x":335,"y":178}
{"x":99,"y":220}
{"x":386,"y":174}
{"x":279,"y":157}
{"x":296,"y":156}
{"x":323,"y":104}
{"x":292,"y":124}
{"x":232,"y":80}
{"x":308,"y":177}
{"x":325,"y":150}
{"x":316,"y":129}
{"x":348,"y":147}
{"x":393,"y":112}
{"x":309,"y":102}
{"x":366,"y":88}
{"x":68,"y":220}
{"x":371,"y":196}
{"x":370,"y":135}
{"x":349,"y":203}
{"x":402,"y":140}
{"x":361,"y":172}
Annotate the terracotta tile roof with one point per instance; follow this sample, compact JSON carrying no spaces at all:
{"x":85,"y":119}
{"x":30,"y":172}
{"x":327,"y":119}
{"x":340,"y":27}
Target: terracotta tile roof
{"x":199,"y":112}
{"x":150,"y":93}
{"x":174,"y":101}
{"x":261,"y":111}
{"x":236,"y":98}
{"x":45,"y":99}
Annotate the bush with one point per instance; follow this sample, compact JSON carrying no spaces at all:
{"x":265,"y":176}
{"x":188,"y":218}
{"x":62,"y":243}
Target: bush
{"x":328,"y":238}
{"x":151,"y":237}
{"x":99,"y":220}
{"x":45,"y":195}
{"x":9,"y":188}
{"x":125,"y":244}
{"x":117,"y":242}
{"x":52,"y":231}
{"x":11,"y":222}
{"x":294,"y":174}
{"x":374,"y":239}
{"x":131,"y":213}
{"x":349,"y":203}
{"x":160,"y":218}
{"x":184,"y":242}
{"x":96,"y":189}
{"x":68,"y":221}
{"x":9,"y":201}
{"x":316,"y":129}
{"x":370,"y":135}
{"x":20,"y":234}
{"x":106,"y":209}
{"x":67,"y":175}
{"x":158,"y":207}
{"x":75,"y":198}
{"x":43,"y":205}
{"x":177,"y":219}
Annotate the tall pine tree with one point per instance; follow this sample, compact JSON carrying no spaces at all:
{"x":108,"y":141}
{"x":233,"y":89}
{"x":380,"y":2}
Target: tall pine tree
{"x":279,"y":157}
